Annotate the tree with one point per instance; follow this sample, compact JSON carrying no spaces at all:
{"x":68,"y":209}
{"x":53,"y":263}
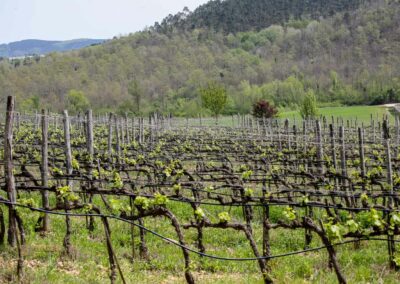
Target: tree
{"x":76,"y":101}
{"x":31,"y":103}
{"x":308,"y":108}
{"x":263,"y":109}
{"x":135,"y":91}
{"x":336,"y":86}
{"x":214,"y":98}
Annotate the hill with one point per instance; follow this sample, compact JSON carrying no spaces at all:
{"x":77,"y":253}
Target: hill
{"x":40,"y":47}
{"x":231,"y":16}
{"x":351,"y":57}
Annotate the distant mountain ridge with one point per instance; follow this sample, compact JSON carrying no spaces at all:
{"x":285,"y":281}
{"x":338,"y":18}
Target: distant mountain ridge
{"x":40,"y":47}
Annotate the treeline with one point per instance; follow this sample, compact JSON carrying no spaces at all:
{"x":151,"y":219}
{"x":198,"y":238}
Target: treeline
{"x":349,"y":58}
{"x":231,"y":16}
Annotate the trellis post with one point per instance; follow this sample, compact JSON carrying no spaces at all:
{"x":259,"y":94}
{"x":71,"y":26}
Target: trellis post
{"x":45,"y":168}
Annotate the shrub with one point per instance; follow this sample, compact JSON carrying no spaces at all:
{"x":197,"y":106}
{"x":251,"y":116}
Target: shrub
{"x":263,"y":109}
{"x":308,"y":109}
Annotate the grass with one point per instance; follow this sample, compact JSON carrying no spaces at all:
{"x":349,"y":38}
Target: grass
{"x":45,"y":262}
{"x":360,"y":113}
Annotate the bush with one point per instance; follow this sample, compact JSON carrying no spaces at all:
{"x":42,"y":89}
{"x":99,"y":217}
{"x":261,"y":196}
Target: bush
{"x":76,"y":101}
{"x":308,"y":109}
{"x":263,"y":109}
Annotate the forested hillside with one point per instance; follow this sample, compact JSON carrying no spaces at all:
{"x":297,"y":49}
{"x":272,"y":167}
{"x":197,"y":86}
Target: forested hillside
{"x":232,"y":16}
{"x":351,"y":57}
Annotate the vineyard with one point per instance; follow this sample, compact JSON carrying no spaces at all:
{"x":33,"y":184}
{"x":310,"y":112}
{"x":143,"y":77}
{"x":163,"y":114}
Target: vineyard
{"x":332,"y":182}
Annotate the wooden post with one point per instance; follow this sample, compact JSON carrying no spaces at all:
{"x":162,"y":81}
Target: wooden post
{"x":8,"y":171}
{"x":333,"y":146}
{"x":295,"y":140}
{"x":391,"y":243}
{"x":68,"y":154}
{"x":90,"y":150}
{"x":342,"y":151}
{"x":142,"y":131}
{"x":10,"y":185}
{"x":89,"y":134}
{"x":266,"y":224}
{"x":320,"y":150}
{"x":362,"y":153}
{"x":45,"y":168}
{"x":67,"y":137}
{"x":120,"y":123}
{"x":128,"y":138}
{"x":333,"y":151}
{"x":133,"y":129}
{"x":287,"y":134}
{"x":373,"y":131}
{"x":343,"y":163}
{"x":110,"y":130}
{"x":386,"y":137}
{"x":117,"y":139}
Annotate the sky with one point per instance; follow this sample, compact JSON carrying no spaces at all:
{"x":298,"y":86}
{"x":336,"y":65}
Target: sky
{"x":71,"y":19}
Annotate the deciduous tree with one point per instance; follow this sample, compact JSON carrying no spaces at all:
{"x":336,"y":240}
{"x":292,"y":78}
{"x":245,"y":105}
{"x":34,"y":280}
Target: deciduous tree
{"x":76,"y":101}
{"x":214,"y":98}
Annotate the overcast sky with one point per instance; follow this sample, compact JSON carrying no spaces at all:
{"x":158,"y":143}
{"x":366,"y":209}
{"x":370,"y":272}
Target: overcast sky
{"x":70,"y":19}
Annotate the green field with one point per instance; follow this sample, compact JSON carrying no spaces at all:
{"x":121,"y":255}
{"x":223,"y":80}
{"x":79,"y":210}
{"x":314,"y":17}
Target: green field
{"x":361,"y":113}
